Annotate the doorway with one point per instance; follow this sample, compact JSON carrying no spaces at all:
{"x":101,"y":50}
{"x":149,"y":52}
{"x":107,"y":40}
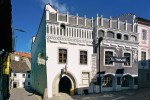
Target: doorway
{"x":65,"y":85}
{"x":15,"y":85}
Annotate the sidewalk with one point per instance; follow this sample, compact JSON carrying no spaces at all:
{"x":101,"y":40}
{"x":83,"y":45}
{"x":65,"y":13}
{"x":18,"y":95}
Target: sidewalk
{"x":23,"y":94}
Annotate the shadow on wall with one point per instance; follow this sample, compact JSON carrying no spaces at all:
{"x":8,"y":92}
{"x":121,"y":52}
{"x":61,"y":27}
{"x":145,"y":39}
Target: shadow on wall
{"x":144,"y":73}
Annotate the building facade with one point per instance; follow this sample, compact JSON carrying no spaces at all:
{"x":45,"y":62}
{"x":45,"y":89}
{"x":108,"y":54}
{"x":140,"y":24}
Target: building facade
{"x":143,"y":30}
{"x":66,"y":46}
{"x":144,"y":51}
{"x":120,"y":42}
{"x":20,"y":70}
{"x":65,"y":58}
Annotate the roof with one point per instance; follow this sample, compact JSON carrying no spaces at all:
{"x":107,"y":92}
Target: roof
{"x":20,"y":65}
{"x":143,"y":21}
{"x":24,"y":54}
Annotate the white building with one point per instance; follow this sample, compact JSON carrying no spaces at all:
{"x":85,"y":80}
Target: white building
{"x":20,"y":71}
{"x":64,"y":42}
{"x":63,"y":59}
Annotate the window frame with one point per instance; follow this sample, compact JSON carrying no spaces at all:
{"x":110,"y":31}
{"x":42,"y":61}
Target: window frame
{"x":130,"y":52}
{"x":144,"y":34}
{"x":111,"y":50}
{"x":63,"y":55}
{"x":87,"y":72}
{"x":86,"y":57}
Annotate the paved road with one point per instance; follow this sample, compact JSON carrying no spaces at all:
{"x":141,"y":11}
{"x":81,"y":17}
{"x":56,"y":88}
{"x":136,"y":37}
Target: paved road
{"x":23,"y":94}
{"x":139,"y":94}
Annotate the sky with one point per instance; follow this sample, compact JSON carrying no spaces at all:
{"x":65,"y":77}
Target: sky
{"x":26,"y":14}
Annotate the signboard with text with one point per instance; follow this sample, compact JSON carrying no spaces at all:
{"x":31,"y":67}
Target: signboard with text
{"x":118,"y":59}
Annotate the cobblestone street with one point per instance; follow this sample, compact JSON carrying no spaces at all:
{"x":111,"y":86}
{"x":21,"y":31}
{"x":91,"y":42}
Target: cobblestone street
{"x":139,"y":94}
{"x":23,"y":94}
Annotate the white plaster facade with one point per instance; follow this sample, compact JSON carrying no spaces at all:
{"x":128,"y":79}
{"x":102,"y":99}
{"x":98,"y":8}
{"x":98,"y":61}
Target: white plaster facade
{"x":20,"y":80}
{"x":74,"y":38}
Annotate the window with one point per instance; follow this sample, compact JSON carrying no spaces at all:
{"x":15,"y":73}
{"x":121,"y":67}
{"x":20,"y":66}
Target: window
{"x":133,"y":38}
{"x":28,"y":83}
{"x":83,"y":57}
{"x":107,"y":81}
{"x":108,"y":55}
{"x":23,"y":75}
{"x":143,"y":58}
{"x":28,"y":75}
{"x":119,"y":36}
{"x":62,"y":55}
{"x":125,"y":81}
{"x":144,"y":34}
{"x":128,"y":58}
{"x":126,"y":37}
{"x":110,"y":34}
{"x":85,"y":78}
{"x":147,"y":76}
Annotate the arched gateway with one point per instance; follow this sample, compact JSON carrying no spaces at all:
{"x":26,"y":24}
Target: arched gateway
{"x":64,"y":83}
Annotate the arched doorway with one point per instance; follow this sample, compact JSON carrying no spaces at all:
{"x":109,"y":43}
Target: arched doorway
{"x":65,"y":85}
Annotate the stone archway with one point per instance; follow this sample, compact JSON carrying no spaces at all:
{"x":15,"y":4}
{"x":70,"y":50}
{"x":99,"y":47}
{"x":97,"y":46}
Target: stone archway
{"x":65,"y":85}
{"x":60,"y":80}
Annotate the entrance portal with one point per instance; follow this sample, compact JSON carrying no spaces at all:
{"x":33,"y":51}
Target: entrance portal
{"x":65,"y":85}
{"x":14,"y":85}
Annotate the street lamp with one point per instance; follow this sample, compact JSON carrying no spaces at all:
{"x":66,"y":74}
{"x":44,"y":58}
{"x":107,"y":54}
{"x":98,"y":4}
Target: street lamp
{"x":15,"y":37}
{"x":98,"y":44}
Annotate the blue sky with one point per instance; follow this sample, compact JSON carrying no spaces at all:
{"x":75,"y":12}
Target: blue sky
{"x":26,"y":14}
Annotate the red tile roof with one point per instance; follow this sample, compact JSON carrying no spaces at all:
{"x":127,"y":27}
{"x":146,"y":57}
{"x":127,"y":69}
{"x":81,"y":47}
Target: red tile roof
{"x":21,"y":65}
{"x":24,"y":54}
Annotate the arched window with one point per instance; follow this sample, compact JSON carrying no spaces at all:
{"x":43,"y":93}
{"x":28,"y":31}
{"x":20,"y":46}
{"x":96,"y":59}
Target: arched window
{"x":100,"y":33}
{"x":125,"y":81}
{"x":126,"y":37}
{"x":62,"y":29}
{"x":107,"y":81}
{"x":119,"y":36}
{"x":110,"y":34}
{"x":133,"y":38}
